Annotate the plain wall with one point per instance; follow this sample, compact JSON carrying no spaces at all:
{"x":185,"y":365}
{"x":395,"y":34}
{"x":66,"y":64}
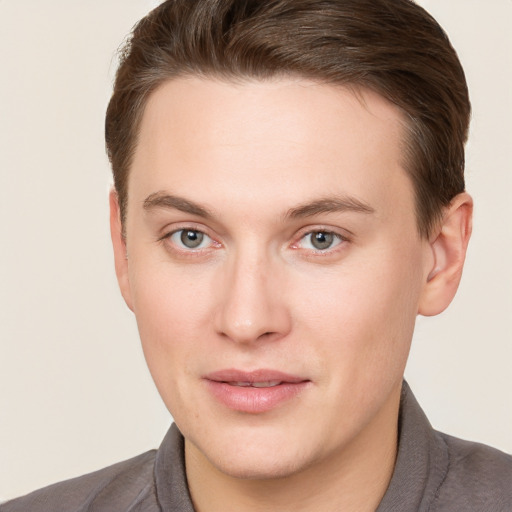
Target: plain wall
{"x":75,"y":394}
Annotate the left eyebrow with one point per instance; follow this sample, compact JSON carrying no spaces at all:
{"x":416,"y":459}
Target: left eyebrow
{"x":329,"y":205}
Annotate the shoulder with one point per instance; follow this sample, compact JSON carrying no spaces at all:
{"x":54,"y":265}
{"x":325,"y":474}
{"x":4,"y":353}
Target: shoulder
{"x":478,"y":478}
{"x":128,"y":484}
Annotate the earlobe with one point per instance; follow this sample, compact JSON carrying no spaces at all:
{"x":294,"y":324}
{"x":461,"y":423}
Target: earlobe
{"x":119,"y":246}
{"x":449,"y":252}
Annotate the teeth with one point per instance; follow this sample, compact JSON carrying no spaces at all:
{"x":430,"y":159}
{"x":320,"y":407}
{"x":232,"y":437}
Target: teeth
{"x":265,"y":384}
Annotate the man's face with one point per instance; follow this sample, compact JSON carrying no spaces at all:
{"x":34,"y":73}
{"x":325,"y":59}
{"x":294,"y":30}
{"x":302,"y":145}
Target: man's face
{"x":274,"y":268}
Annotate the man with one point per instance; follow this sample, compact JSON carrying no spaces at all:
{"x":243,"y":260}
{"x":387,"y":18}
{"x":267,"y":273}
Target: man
{"x":289,"y":195}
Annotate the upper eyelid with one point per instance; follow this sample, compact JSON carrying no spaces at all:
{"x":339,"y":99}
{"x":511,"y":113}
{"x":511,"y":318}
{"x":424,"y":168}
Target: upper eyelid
{"x":344,"y":234}
{"x":167,"y":231}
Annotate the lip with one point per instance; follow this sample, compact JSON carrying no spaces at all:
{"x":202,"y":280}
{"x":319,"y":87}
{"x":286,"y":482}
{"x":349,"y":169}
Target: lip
{"x":244,"y":397}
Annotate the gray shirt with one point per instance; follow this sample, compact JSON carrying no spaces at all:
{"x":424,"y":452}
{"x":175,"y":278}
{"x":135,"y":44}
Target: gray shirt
{"x":433,"y":473}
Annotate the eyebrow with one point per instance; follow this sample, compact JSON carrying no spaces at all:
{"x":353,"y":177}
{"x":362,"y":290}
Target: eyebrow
{"x":325,"y":205}
{"x":329,"y":205}
{"x":163,"y":200}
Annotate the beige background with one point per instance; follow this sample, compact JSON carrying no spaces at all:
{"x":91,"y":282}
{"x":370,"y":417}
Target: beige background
{"x":75,"y":394}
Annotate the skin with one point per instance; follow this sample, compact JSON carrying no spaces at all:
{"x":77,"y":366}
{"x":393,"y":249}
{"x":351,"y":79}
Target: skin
{"x":257,"y":167}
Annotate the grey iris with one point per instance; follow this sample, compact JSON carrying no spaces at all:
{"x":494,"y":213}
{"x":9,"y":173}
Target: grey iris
{"x":322,"y":240}
{"x":191,"y":239}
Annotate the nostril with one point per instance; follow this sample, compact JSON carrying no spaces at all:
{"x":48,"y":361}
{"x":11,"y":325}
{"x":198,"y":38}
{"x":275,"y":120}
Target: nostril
{"x":267,"y":334}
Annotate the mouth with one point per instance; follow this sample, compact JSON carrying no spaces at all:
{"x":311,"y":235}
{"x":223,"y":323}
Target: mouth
{"x":254,"y":392}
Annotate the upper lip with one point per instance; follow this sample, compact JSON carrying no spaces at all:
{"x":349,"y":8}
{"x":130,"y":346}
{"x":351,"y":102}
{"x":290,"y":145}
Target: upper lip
{"x":260,"y":375}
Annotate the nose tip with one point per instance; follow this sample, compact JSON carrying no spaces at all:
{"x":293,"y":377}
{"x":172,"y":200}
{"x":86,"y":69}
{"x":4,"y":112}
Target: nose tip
{"x":252,"y":306}
{"x":246,"y":331}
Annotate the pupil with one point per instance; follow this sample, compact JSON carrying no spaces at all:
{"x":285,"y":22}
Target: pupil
{"x":322,"y":240}
{"x":191,"y":239}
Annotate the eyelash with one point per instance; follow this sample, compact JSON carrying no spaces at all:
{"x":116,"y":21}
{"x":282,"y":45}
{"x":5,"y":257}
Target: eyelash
{"x":339,"y":238}
{"x":321,"y":253}
{"x":191,"y":252}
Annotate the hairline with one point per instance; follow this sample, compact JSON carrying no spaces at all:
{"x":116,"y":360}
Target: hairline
{"x":406,"y":139}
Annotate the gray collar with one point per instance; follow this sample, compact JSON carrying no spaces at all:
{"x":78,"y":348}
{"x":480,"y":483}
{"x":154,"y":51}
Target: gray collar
{"x":422,"y":461}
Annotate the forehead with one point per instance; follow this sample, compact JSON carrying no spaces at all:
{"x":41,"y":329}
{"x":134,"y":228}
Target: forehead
{"x":268,"y":141}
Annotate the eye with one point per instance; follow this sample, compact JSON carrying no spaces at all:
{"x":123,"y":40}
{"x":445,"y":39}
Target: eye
{"x":190,"y":239}
{"x":320,"y":240}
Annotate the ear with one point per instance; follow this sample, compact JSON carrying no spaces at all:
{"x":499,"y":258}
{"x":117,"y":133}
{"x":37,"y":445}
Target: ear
{"x":119,"y":245}
{"x":448,"y":248}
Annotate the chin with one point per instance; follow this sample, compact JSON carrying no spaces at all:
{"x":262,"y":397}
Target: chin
{"x":259,"y":467}
{"x":258,"y":453}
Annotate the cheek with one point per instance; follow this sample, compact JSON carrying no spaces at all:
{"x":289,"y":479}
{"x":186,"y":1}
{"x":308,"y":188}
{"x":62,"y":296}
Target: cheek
{"x":364,"y":314}
{"x":171,"y":312}
{"x":167,"y":299}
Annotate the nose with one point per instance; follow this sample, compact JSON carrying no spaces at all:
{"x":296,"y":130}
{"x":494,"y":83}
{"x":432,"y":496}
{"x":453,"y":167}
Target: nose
{"x":252,"y":304}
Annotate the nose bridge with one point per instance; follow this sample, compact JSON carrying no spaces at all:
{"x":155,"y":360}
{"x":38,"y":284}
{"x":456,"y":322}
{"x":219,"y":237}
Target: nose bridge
{"x":251,"y":304}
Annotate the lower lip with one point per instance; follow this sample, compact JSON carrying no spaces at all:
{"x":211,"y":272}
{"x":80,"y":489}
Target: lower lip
{"x":255,"y":400}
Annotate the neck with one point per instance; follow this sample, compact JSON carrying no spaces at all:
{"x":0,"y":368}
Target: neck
{"x":354,"y":479}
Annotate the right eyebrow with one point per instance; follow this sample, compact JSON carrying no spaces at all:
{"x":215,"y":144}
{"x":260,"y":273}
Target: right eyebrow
{"x":164,"y":200}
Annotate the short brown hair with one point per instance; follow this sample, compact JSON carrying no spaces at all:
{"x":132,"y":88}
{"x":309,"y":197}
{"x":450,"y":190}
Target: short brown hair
{"x":393,"y":47}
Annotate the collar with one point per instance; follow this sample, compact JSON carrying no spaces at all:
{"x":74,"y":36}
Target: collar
{"x":421,"y":464}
